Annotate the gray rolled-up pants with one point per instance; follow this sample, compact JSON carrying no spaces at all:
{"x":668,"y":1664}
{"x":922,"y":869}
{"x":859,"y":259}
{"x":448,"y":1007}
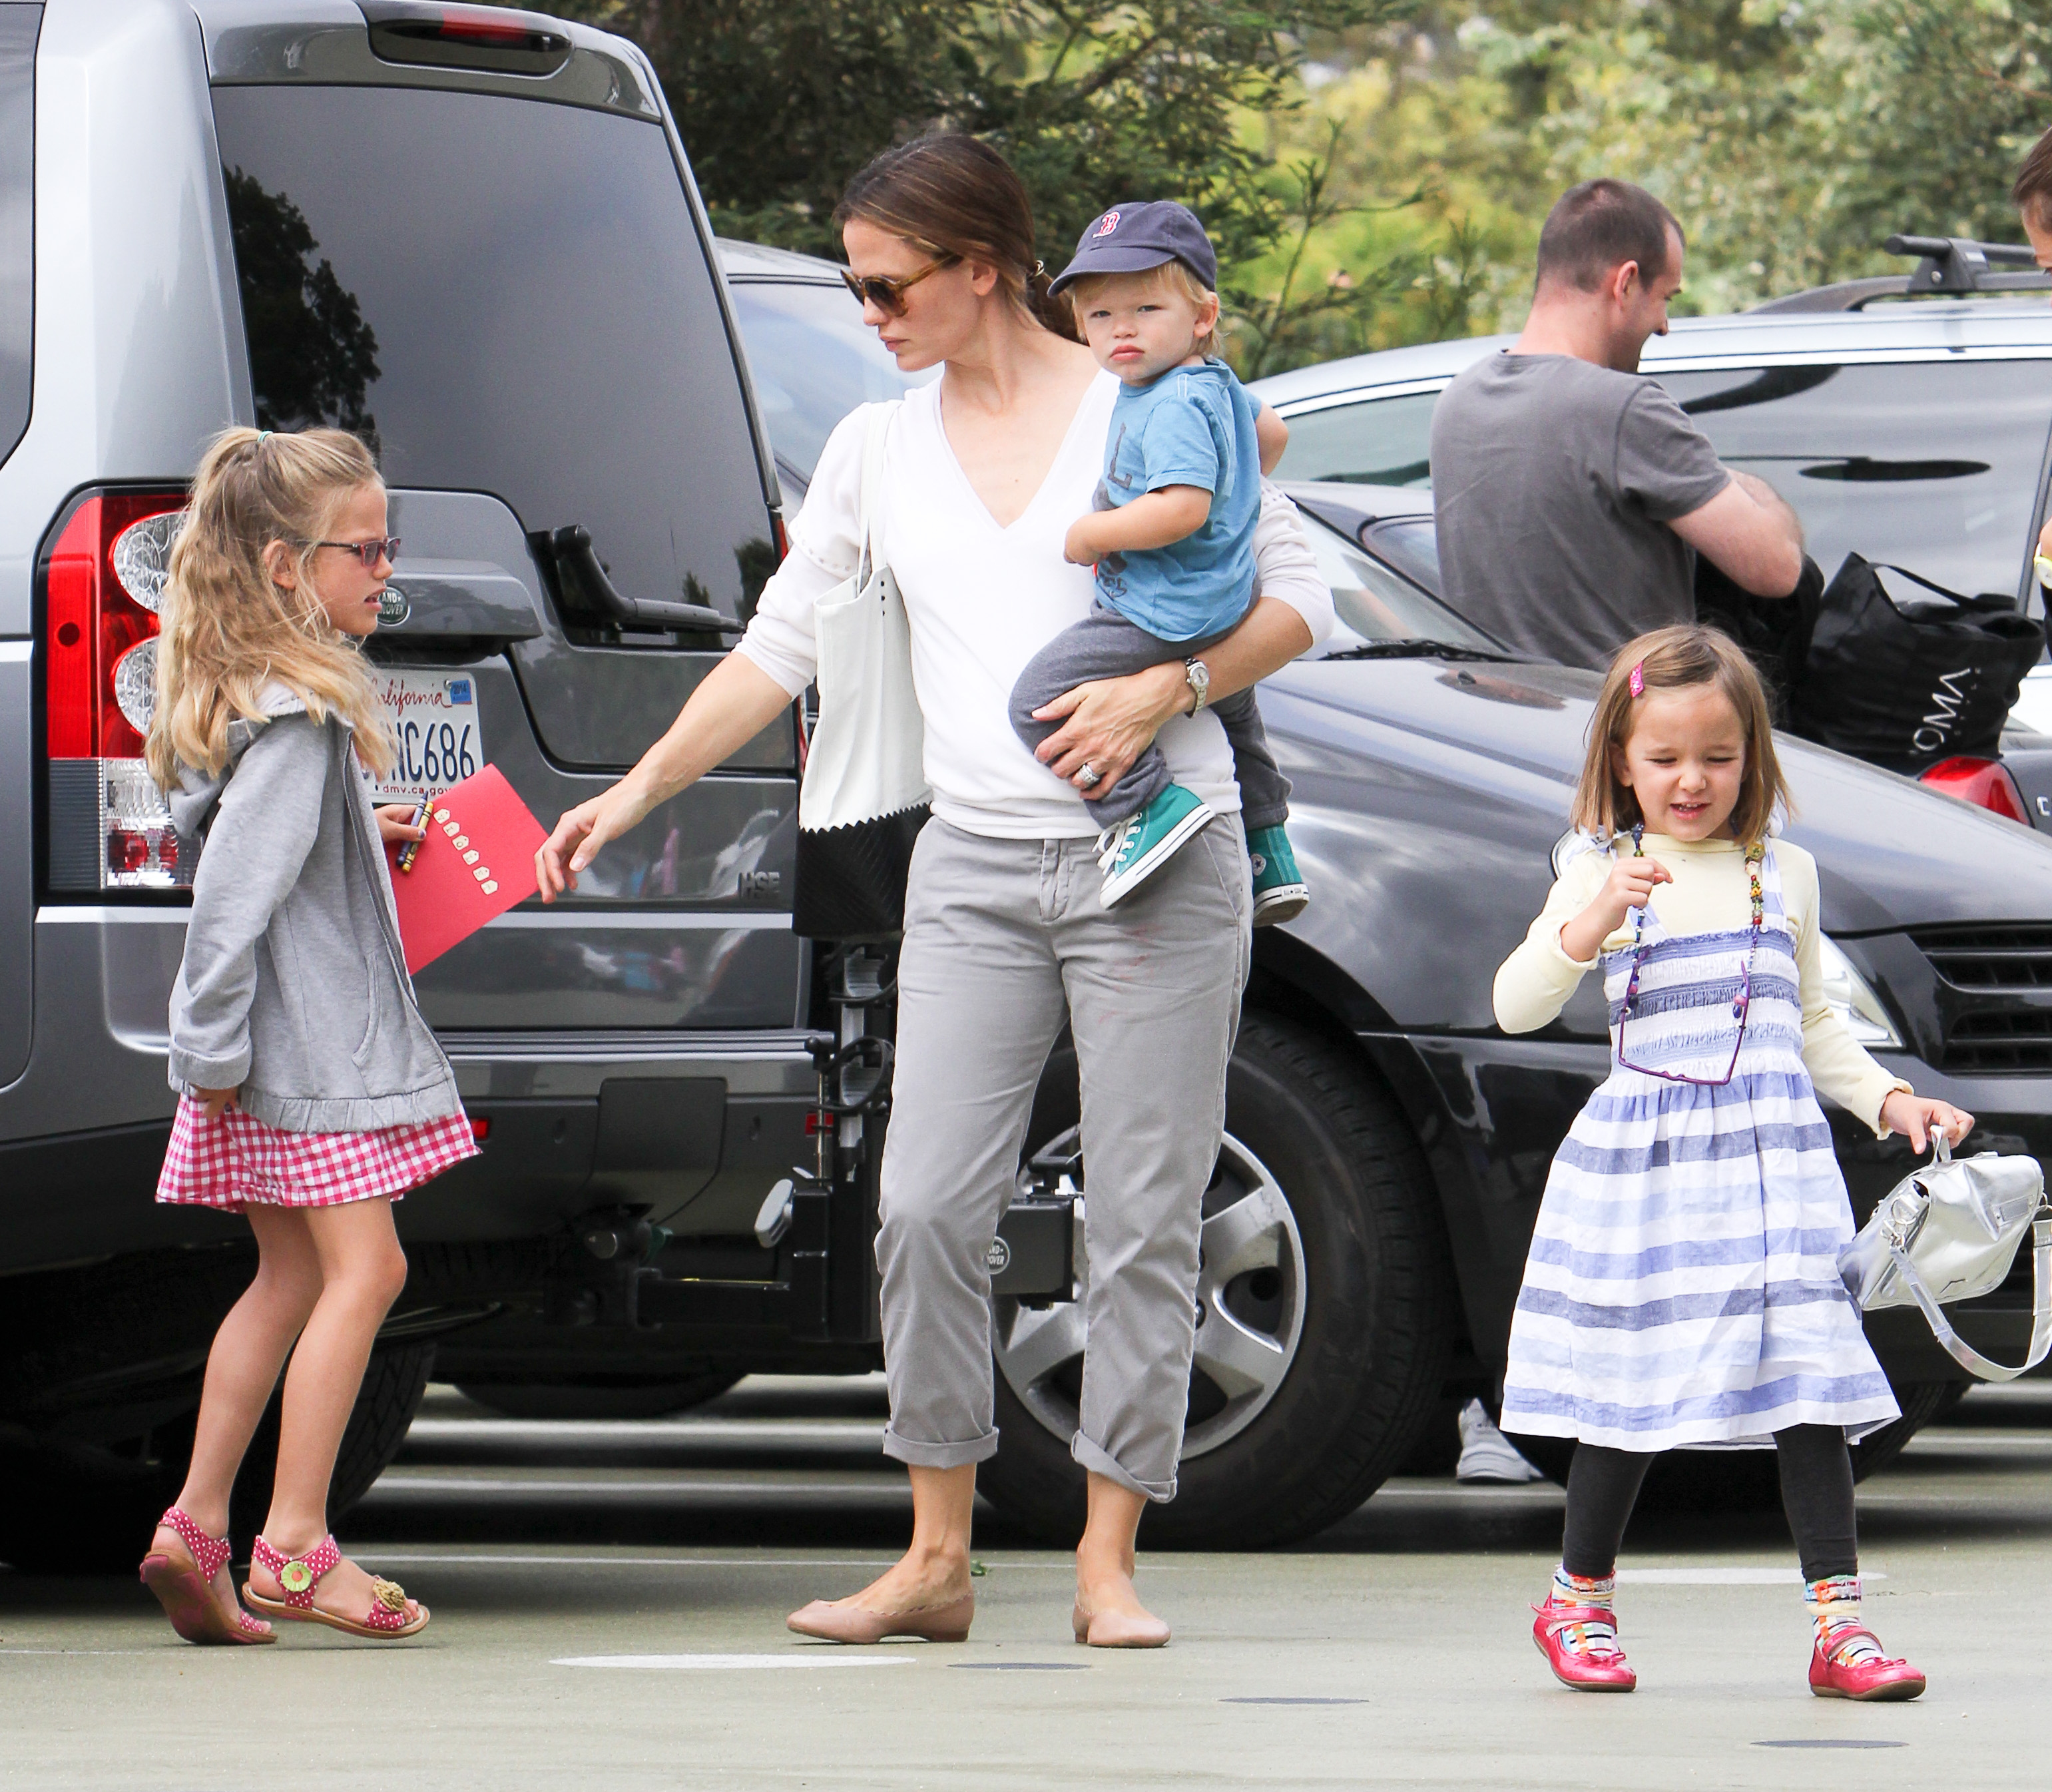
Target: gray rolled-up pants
{"x":1005,"y":939}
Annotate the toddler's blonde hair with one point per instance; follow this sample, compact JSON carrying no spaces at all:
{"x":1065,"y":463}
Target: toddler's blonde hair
{"x":228,"y":629}
{"x":1172,"y":275}
{"x":1679,"y":659}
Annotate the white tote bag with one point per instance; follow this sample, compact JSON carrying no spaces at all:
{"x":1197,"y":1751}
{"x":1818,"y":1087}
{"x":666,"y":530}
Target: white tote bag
{"x":864,"y":796}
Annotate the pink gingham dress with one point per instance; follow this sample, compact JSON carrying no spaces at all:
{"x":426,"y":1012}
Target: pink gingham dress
{"x":234,"y":1162}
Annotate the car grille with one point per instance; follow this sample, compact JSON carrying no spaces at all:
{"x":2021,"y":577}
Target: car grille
{"x":1994,"y":996}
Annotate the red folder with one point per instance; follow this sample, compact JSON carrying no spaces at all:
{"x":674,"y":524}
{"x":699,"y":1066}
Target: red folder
{"x":477,"y":862}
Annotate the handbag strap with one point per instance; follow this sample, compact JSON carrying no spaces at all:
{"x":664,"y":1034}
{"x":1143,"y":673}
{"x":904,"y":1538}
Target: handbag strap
{"x":1989,"y":602}
{"x":875,"y":443}
{"x":2041,"y":1308}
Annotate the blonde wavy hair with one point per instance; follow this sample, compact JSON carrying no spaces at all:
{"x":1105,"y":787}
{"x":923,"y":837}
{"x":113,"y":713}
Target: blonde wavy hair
{"x":228,"y":630}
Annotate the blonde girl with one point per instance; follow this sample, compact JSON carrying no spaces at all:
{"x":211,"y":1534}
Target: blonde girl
{"x":1682,"y":1286}
{"x":311,"y":1094}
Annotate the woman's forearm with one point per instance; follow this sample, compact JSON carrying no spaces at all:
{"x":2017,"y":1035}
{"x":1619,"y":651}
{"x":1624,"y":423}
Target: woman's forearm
{"x":1270,"y":635}
{"x":736,"y":702}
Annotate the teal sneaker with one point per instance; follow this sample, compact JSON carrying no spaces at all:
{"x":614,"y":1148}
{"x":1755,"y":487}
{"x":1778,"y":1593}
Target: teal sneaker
{"x":1134,"y":851}
{"x":1280,"y":893}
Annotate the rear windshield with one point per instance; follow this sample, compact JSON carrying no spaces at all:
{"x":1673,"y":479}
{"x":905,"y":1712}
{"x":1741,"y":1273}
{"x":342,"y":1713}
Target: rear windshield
{"x":506,"y":296}
{"x":18,"y":25}
{"x":814,"y":361}
{"x":1933,"y":465}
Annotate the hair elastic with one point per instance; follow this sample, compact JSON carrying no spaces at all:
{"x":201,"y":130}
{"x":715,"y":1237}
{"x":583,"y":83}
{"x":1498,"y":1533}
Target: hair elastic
{"x":1637,"y":681}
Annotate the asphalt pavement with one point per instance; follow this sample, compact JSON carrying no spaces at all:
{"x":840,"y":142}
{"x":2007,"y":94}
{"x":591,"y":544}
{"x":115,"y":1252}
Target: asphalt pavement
{"x":608,"y":1601}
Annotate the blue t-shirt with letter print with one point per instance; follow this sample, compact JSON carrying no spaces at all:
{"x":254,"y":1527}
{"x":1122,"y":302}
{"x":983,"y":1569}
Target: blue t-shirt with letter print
{"x":1191,"y":426}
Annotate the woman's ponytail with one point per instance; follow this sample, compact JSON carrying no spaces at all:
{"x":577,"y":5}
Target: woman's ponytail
{"x":1051,"y":307}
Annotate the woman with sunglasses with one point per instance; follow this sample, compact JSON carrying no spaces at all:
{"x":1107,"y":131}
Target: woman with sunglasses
{"x":1005,"y":936}
{"x":1682,"y":1287}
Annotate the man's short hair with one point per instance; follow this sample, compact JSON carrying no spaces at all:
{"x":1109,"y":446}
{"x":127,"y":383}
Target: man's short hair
{"x":2033,"y":190}
{"x":1600,"y":225}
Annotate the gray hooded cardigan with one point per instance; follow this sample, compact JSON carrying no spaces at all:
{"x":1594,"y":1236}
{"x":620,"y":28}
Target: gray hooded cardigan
{"x":294,"y":985}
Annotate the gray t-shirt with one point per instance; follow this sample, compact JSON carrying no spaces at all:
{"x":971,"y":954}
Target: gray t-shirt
{"x":1554,"y":480}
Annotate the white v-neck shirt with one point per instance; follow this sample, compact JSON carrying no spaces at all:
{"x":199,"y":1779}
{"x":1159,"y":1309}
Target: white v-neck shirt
{"x":982,"y":600}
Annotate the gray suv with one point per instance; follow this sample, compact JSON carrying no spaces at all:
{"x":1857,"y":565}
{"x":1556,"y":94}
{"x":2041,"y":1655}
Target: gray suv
{"x":474,"y":237}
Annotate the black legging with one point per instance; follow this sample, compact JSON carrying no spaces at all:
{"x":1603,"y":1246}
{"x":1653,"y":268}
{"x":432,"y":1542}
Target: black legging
{"x":1816,"y":1493}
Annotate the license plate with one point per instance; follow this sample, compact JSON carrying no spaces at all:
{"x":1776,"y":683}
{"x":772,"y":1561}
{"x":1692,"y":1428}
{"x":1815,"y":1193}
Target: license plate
{"x":440,"y":739}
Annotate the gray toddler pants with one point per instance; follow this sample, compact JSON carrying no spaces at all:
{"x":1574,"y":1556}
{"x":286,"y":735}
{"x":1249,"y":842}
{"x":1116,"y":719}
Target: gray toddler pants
{"x":1104,"y":645}
{"x":1005,"y":939}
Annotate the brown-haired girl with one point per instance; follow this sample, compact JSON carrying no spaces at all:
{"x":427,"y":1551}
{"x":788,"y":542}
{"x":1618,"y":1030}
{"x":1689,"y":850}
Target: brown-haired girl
{"x":1682,"y":1287}
{"x":312,"y":1093}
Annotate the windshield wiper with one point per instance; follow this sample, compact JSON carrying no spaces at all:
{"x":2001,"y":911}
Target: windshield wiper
{"x":1416,"y":650}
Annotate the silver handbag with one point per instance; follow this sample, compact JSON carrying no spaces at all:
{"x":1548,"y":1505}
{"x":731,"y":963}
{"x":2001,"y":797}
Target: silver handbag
{"x":1949,"y":1231}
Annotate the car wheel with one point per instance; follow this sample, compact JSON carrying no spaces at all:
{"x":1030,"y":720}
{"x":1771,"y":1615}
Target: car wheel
{"x":600,"y":1396}
{"x":72,"y":1509}
{"x":1689,"y":1480}
{"x":1325,"y":1297}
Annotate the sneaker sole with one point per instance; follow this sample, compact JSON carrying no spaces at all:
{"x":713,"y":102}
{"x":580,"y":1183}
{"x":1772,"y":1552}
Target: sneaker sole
{"x":1285,"y":903}
{"x":1157,"y":856}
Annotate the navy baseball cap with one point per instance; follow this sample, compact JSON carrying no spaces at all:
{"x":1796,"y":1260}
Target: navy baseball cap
{"x":1128,"y":239}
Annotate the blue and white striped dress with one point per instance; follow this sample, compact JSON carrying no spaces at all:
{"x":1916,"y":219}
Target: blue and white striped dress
{"x":1683,"y":1285}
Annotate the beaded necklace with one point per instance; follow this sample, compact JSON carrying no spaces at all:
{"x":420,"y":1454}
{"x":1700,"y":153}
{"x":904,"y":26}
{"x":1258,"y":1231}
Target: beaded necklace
{"x":1755,"y":854}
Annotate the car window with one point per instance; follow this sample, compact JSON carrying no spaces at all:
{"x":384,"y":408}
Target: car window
{"x":814,"y":360}
{"x":1378,"y":605}
{"x":1931,"y":466}
{"x":1412,"y":545}
{"x":507,"y":296}
{"x":18,"y":26}
{"x":1378,"y":442}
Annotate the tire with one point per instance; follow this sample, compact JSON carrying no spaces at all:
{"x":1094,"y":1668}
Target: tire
{"x":1368,"y":1328}
{"x":600,"y":1396}
{"x":1689,"y":1481}
{"x":68,"y":1508}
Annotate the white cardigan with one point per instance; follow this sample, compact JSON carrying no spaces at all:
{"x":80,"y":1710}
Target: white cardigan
{"x":982,"y":601}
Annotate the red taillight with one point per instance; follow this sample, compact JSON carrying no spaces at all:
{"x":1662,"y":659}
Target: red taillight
{"x":91,"y":622}
{"x":109,"y":826}
{"x":480,"y":1130}
{"x":780,"y":535}
{"x":463,"y":36}
{"x":1984,"y":783}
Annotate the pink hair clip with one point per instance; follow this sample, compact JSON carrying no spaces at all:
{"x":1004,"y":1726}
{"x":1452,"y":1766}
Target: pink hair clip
{"x":1638,"y":679}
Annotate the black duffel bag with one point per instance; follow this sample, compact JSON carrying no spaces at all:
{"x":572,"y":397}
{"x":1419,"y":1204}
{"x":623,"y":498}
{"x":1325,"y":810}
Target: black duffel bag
{"x":1774,"y":631}
{"x":1905,"y":690}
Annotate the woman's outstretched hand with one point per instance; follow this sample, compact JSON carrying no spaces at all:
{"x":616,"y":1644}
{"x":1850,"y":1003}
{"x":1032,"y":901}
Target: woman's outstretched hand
{"x":579,"y":835}
{"x":1110,"y":723}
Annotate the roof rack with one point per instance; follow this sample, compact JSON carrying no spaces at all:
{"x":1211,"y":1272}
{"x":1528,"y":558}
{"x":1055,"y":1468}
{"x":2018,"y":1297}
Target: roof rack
{"x":1946,"y":264}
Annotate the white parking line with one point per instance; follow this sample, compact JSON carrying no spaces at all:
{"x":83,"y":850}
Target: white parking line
{"x":809,"y":1659}
{"x":1724,"y":1577}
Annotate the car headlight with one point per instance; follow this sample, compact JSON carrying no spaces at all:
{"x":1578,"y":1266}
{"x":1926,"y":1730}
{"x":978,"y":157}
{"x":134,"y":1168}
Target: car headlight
{"x":1853,"y":1003}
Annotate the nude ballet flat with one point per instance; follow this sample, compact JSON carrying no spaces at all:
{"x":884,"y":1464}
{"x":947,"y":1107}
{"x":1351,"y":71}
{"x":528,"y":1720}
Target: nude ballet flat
{"x":1118,"y":1629}
{"x":947,"y":1623}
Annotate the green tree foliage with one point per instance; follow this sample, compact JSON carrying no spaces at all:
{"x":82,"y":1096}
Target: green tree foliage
{"x":779,"y":101}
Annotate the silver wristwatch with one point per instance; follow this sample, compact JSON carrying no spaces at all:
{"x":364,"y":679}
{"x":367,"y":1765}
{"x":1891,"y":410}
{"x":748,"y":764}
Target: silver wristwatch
{"x":1198,"y":676}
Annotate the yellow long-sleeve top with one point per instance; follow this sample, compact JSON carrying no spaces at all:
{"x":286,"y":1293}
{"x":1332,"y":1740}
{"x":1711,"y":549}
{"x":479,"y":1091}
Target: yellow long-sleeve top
{"x":1710,"y":894}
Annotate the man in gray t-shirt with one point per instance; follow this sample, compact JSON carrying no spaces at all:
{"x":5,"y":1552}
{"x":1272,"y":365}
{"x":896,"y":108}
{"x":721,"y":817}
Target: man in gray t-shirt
{"x":1571,"y":492}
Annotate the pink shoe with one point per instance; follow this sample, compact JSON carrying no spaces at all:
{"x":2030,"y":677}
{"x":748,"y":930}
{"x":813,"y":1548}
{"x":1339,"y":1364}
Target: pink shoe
{"x":1884,"y":1678}
{"x":1580,"y":1643}
{"x":392,"y":1615}
{"x":182,"y":1580}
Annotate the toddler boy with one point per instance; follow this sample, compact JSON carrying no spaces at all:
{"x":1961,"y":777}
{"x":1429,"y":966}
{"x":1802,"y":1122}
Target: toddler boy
{"x":1171,"y":536}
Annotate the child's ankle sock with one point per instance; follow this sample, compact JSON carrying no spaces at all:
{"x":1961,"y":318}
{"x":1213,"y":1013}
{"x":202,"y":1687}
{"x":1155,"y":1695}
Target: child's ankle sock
{"x":1580,"y":1589}
{"x":1834,"y":1603}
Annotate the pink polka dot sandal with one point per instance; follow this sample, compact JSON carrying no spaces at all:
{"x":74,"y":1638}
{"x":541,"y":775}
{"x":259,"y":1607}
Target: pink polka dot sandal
{"x":182,"y":1579}
{"x":392,"y":1615}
